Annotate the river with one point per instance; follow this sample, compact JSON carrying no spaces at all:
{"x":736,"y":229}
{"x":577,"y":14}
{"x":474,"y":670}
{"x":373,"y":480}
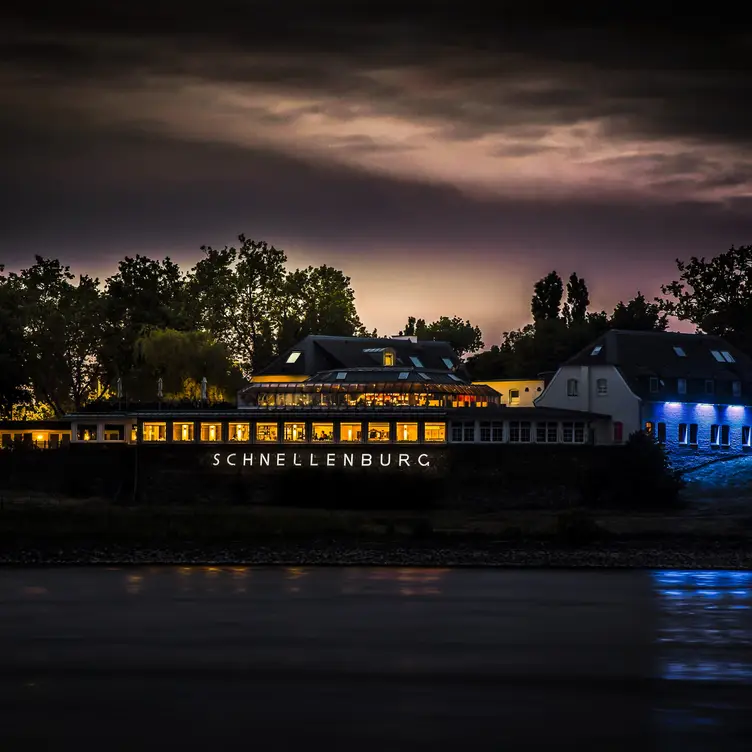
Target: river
{"x":191,"y":658}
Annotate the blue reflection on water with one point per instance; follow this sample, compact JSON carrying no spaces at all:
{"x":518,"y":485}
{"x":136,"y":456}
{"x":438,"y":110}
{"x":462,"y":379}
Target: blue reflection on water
{"x":705,"y":629}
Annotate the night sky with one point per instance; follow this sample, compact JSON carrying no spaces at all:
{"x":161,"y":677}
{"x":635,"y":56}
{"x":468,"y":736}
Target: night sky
{"x":444,"y":162}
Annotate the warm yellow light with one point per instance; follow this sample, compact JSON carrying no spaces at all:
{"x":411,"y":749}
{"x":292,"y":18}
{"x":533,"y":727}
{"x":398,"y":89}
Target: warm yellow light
{"x":212,"y":433}
{"x":349,"y":434}
{"x":185,"y":433}
{"x":40,"y":437}
{"x":404,"y":433}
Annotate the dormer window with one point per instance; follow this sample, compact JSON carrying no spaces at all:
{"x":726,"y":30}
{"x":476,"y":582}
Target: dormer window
{"x":572,"y":388}
{"x":601,"y":386}
{"x":388,"y":358}
{"x":403,"y":374}
{"x":680,"y":352}
{"x":596,"y":350}
{"x":341,"y":375}
{"x":514,"y":396}
{"x":293,"y":356}
{"x":415,"y":360}
{"x":448,"y":362}
{"x":727,"y":356}
{"x":717,"y":355}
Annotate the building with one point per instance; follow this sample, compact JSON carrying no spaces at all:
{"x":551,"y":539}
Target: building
{"x":693,"y":392}
{"x":352,"y":391}
{"x":42,"y":434}
{"x":516,"y":392}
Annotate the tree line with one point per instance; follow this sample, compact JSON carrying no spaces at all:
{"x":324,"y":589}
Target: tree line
{"x":66,"y":341}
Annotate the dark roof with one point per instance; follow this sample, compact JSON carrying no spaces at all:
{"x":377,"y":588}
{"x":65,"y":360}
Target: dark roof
{"x":416,"y":386}
{"x":323,"y":353}
{"x":397,"y":374}
{"x":32,"y":425}
{"x":638,"y":355}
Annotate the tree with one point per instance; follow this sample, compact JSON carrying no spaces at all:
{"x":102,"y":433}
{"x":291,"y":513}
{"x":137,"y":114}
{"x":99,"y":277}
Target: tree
{"x":460,"y":334}
{"x":182,"y":360}
{"x":638,"y":315}
{"x":63,"y":326}
{"x":14,"y":378}
{"x":715,"y":295}
{"x":547,"y":295}
{"x":578,"y":300}
{"x":238,"y":295}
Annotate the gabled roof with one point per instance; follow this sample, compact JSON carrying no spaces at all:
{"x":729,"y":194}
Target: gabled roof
{"x":669,"y":355}
{"x":322,"y":353}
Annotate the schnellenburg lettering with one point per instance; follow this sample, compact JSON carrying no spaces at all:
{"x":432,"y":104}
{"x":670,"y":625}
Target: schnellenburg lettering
{"x":314,"y":459}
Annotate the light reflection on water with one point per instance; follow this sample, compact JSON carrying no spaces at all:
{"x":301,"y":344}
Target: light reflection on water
{"x":705,"y":625}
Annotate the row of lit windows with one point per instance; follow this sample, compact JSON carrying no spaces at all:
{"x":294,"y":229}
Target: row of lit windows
{"x":297,"y":432}
{"x":376,"y":399}
{"x":520,"y":432}
{"x":688,"y":434}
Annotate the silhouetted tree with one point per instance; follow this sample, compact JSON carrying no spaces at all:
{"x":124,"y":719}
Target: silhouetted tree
{"x":14,"y":378}
{"x":547,"y":295}
{"x":463,"y":336}
{"x":578,"y":300}
{"x":638,"y":315}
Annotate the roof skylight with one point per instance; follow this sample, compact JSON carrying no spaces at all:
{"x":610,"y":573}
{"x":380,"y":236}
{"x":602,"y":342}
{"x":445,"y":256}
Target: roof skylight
{"x":415,"y":360}
{"x":728,"y":356}
{"x":341,"y":375}
{"x":454,"y":377}
{"x":404,"y":374}
{"x":448,"y":362}
{"x":596,"y":350}
{"x":680,"y":351}
{"x":717,"y":355}
{"x":293,"y":356}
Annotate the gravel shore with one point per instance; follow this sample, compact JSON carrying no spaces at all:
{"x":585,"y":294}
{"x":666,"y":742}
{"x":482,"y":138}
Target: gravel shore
{"x":632,"y":555}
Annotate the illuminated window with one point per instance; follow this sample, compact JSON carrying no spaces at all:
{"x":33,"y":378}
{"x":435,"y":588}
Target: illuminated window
{"x":514,"y":396}
{"x":727,"y":356}
{"x":680,"y":352}
{"x":293,"y":356}
{"x":378,"y":432}
{"x":601,"y":386}
{"x":239,"y":432}
{"x":211,"y":432}
{"x":736,"y":388}
{"x":435,"y":432}
{"x":572,"y":388}
{"x":322,"y":432}
{"x":649,"y":428}
{"x":134,"y":433}
{"x":407,"y":431}
{"x":416,"y":361}
{"x":182,"y":431}
{"x":86,"y":432}
{"x":267,"y":432}
{"x":155,"y":431}
{"x":388,"y":358}
{"x":350,"y":431}
{"x":447,"y":362}
{"x":294,"y":432}
{"x":114,"y":432}
{"x":681,"y":386}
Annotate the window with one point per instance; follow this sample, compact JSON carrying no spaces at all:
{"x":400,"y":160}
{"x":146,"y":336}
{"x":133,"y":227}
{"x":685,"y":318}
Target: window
{"x":341,"y":375}
{"x":681,"y":386}
{"x":572,"y":387}
{"x":618,"y":431}
{"x":727,"y":356}
{"x":239,"y":432}
{"x":514,"y":396}
{"x":350,"y":432}
{"x":714,"y":435}
{"x":661,"y":433}
{"x":709,"y":386}
{"x":736,"y":388}
{"x":455,"y":377}
{"x":746,"y":435}
{"x":601,"y":386}
{"x":717,"y":355}
{"x":693,"y":434}
{"x":322,"y":432}
{"x":388,"y":358}
{"x":211,"y":432}
{"x":725,"y":435}
{"x":89,"y":433}
{"x":155,"y":432}
{"x":649,"y":428}
{"x":294,"y":432}
{"x":111,"y":433}
{"x":683,"y":437}
{"x":134,"y":433}
{"x":463,"y":431}
{"x":547,"y":433}
{"x":596,"y":350}
{"x":403,"y":374}
{"x":378,"y":432}
{"x":424,"y":376}
{"x":654,"y":385}
{"x":447,"y":362}
{"x":267,"y":432}
{"x":680,"y":352}
{"x":573,"y":433}
{"x":183,"y":431}
{"x":407,"y":431}
{"x":435,"y":432}
{"x":492,"y":431}
{"x":293,"y":356}
{"x":416,"y":361}
{"x":519,"y":431}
